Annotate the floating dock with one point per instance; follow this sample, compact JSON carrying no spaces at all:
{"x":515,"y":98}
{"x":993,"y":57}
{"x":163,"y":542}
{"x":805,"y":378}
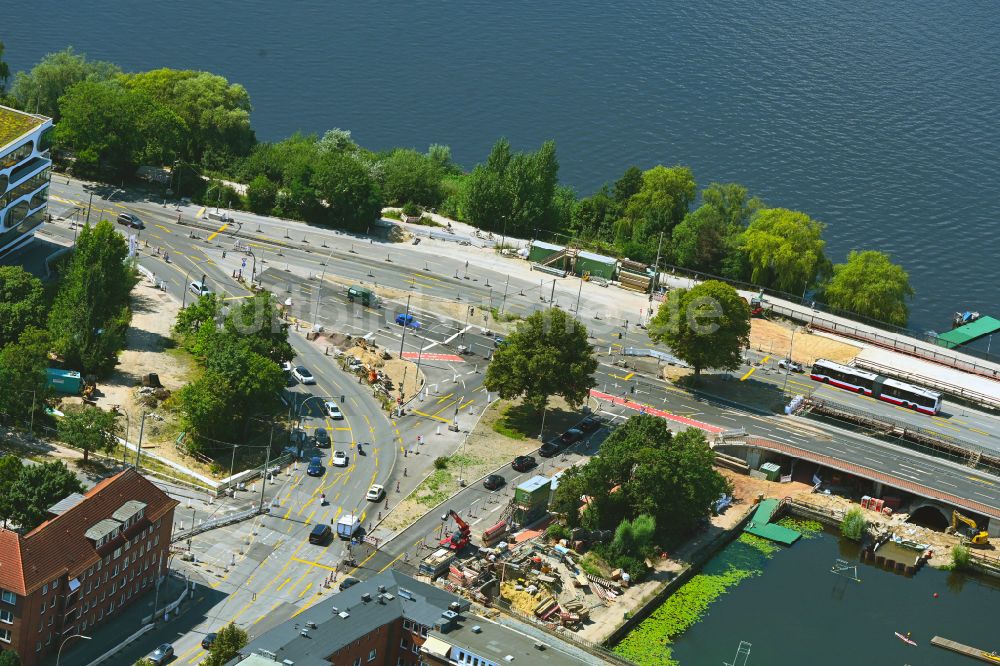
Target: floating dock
{"x":975,"y":653}
{"x":963,"y":335}
{"x":761,"y":525}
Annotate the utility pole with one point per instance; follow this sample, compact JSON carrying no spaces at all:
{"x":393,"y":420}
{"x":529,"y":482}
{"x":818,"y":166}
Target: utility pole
{"x":91,"y":203}
{"x":578,"y":294}
{"x":406,"y":324}
{"x":788,"y":370}
{"x":138,"y":447}
{"x":552,"y":296}
{"x":656,"y":267}
{"x":319,"y":291}
{"x":267,"y":463}
{"x":504,"y":303}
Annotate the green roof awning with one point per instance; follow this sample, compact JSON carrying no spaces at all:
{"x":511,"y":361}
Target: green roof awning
{"x":963,"y":335}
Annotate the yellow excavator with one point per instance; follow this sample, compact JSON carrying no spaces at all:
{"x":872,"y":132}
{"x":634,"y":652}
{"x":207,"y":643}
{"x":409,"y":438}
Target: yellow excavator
{"x":975,"y":536}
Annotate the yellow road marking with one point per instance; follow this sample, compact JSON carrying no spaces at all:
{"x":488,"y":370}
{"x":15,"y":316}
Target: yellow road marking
{"x":426,"y":277}
{"x":442,"y":399}
{"x":160,"y":226}
{"x":979,"y":431}
{"x":278,"y":589}
{"x":201,"y":211}
{"x":221,"y":229}
{"x":978,"y":480}
{"x":431,"y":416}
{"x":315,"y":564}
{"x":764,"y":360}
{"x":747,"y":376}
{"x":628,"y":376}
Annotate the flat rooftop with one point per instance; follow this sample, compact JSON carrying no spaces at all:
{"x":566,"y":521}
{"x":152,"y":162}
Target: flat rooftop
{"x":14,"y":124}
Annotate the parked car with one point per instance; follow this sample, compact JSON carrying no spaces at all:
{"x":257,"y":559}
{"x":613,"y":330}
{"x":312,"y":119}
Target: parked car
{"x":350,"y":581}
{"x":571,"y":436}
{"x":289,"y":378}
{"x":322,"y":438}
{"x":499,"y":340}
{"x":162,"y":654}
{"x":315,"y":466}
{"x":208,"y":641}
{"x":320,"y":534}
{"x":375,"y":493}
{"x":199,"y":289}
{"x":523,"y":463}
{"x":333,"y":411}
{"x":339,"y":459}
{"x":549,"y":449}
{"x":131,"y":220}
{"x":789,"y":364}
{"x":493,"y":482}
{"x":302,"y":374}
{"x":590,"y":424}
{"x":407,"y":320}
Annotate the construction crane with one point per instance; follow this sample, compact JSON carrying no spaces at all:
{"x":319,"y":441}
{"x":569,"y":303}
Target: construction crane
{"x":458,"y":539}
{"x":975,"y":536}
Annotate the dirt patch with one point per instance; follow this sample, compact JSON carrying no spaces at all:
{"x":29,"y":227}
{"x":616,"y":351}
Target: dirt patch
{"x":774,"y":337}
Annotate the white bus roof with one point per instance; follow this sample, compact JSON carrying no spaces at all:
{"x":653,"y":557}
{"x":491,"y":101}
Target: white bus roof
{"x":845,"y":368}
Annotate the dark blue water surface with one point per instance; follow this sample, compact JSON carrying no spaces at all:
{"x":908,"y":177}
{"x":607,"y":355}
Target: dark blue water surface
{"x":878,"y":118}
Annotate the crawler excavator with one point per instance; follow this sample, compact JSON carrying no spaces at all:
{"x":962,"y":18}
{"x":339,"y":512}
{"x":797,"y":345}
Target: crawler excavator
{"x":974,"y":535}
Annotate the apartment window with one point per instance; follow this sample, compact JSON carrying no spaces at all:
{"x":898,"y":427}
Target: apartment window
{"x":114,"y":587}
{"x":5,"y":635}
{"x":7,"y":597}
{"x":118,"y":552}
{"x":121,"y":602}
{"x":107,"y":560}
{"x":116,"y":570}
{"x":45,"y":588}
{"x":42,"y":609}
{"x":51,"y":617}
{"x":357,"y":662}
{"x":111,"y":606}
{"x":371,"y":656}
{"x":423,"y":631}
{"x":405,"y":644}
{"x":38,"y":646}
{"x":6,"y":616}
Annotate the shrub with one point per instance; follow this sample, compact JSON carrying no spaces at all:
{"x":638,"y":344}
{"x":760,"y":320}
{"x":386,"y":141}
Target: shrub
{"x":853,"y":525}
{"x":411,"y":209}
{"x":557,"y":531}
{"x":441,"y":462}
{"x":960,"y":557}
{"x":392,"y":215}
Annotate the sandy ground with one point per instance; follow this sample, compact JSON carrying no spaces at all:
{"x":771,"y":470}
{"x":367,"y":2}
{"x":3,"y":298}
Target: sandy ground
{"x":774,"y":337}
{"x":146,"y":351}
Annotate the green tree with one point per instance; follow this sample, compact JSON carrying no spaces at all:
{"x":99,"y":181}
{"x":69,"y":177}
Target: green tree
{"x":732,"y":202}
{"x":628,"y":185}
{"x":708,"y":326}
{"x":703,"y":240}
{"x":349,"y":190}
{"x":23,"y":376}
{"x":548,"y":354}
{"x":205,"y":405}
{"x":107,"y":126}
{"x":10,"y":473}
{"x":91,"y":312}
{"x":22,"y":302}
{"x":39,"y":90}
{"x":785,"y":249}
{"x":871,"y":285}
{"x":89,"y":429}
{"x":4,"y":72}
{"x":215,"y":112}
{"x":566,"y":500}
{"x":593,"y":217}
{"x":262,"y":194}
{"x":256,"y":320}
{"x":411,"y":177}
{"x":9,"y":658}
{"x":228,"y":642}
{"x":441,"y":155}
{"x":39,"y":487}
{"x":513,"y":188}
{"x":660,"y":204}
{"x":190,"y":320}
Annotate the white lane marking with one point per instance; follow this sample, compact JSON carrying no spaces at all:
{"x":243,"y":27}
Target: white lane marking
{"x":989,"y":497}
{"x":945,"y":483}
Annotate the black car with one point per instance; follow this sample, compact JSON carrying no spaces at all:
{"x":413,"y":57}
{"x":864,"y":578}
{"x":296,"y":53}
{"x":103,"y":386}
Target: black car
{"x":549,"y":449}
{"x":493,"y":481}
{"x":322,"y":438}
{"x":208,"y":640}
{"x":348,"y":582}
{"x":590,"y":424}
{"x":571,"y":436}
{"x":523,"y":463}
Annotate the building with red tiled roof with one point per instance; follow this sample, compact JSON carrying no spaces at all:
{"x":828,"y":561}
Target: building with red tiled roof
{"x":94,"y":556}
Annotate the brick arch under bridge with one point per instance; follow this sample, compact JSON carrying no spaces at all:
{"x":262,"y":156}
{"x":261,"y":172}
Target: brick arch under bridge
{"x":930,"y":495}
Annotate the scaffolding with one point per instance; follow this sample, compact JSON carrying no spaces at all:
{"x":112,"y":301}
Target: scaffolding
{"x":742,"y":655}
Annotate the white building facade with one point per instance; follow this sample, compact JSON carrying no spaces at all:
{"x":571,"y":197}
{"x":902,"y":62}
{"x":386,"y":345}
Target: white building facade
{"x":25,"y":169}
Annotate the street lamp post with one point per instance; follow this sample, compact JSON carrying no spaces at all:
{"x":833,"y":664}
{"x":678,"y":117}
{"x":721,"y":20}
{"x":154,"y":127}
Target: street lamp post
{"x":788,"y":369}
{"x":503,"y":241}
{"x":504,"y":302}
{"x":138,"y":446}
{"x":128,"y":423}
{"x":319,"y":291}
{"x":406,"y":324}
{"x":89,"y":206}
{"x":59,"y":653}
{"x":267,"y":463}
{"x":541,"y":434}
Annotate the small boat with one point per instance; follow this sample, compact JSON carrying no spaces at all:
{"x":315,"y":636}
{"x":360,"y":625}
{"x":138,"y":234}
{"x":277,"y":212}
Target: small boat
{"x":905,"y":638}
{"x":963,"y":318}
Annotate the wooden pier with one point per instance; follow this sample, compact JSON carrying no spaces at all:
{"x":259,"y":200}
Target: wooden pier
{"x":975,"y":653}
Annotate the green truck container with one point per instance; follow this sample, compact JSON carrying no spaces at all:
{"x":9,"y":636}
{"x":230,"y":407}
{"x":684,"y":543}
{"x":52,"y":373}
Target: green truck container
{"x":534,"y":492}
{"x":363,"y":294}
{"x":772,"y":472}
{"x":63,"y":381}
{"x":540,"y":251}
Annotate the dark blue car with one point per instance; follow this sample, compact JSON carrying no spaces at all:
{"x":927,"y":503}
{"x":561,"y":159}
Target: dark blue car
{"x":315,"y":466}
{"x":407,"y":320}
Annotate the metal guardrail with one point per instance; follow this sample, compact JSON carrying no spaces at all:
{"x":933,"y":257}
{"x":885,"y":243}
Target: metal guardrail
{"x":548,"y":269}
{"x":654,"y":353}
{"x":219,"y":522}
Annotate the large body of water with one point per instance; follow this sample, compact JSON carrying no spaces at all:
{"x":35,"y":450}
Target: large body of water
{"x":880,"y":119}
{"x":798,"y":612}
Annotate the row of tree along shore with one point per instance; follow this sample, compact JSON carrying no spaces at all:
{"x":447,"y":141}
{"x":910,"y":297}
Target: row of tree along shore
{"x":109,"y":122}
